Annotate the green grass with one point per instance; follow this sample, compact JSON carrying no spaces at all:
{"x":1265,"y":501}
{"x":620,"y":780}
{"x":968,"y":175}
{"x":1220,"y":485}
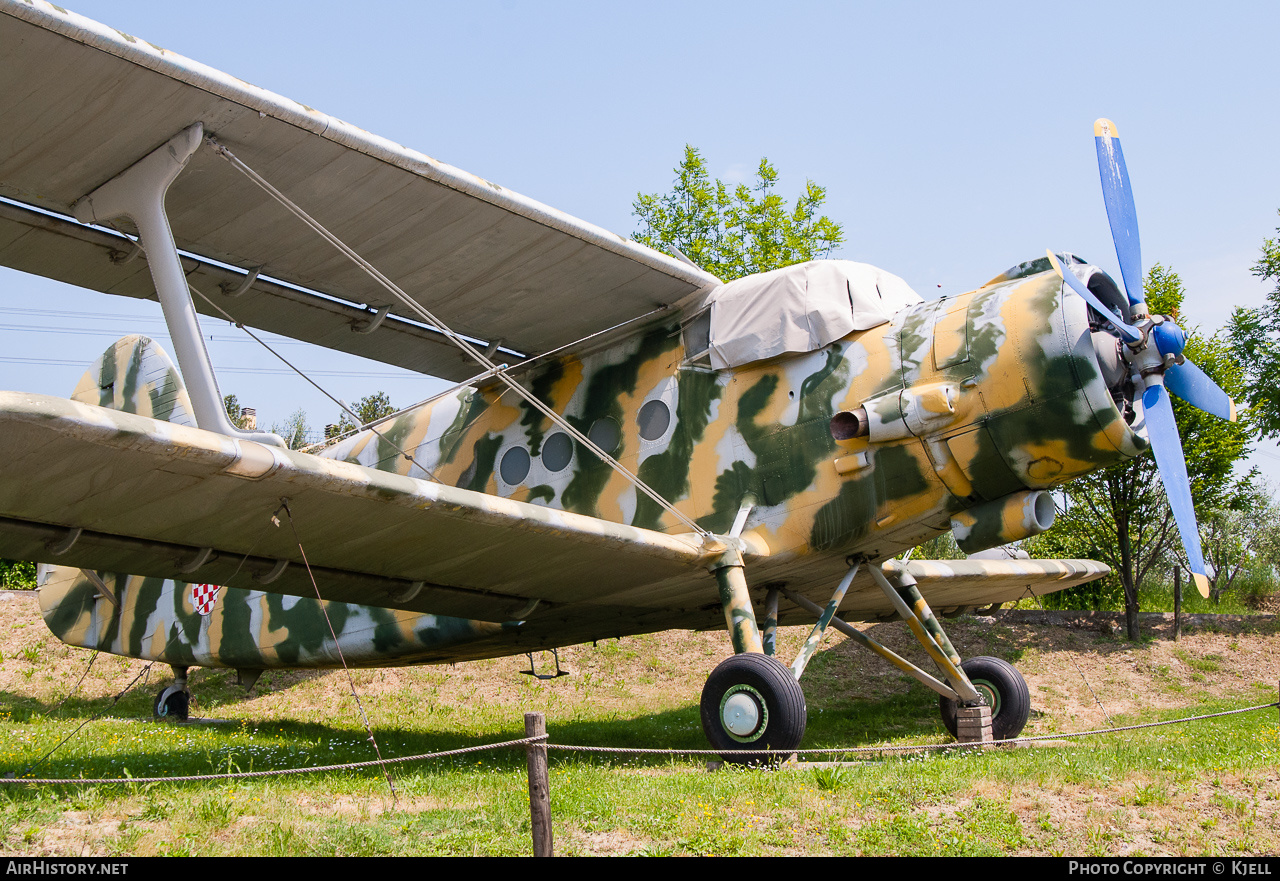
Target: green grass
{"x":953,"y":803}
{"x":1158,"y":597}
{"x":1208,"y":787}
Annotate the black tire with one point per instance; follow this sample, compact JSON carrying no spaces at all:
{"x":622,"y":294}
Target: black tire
{"x":769,"y":690}
{"x":1005,"y":690}
{"x":172,"y":703}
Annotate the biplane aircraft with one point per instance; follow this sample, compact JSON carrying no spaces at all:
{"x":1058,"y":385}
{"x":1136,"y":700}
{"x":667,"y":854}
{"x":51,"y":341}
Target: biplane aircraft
{"x":633,"y":445}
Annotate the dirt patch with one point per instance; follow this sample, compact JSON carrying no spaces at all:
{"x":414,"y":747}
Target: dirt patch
{"x":604,"y":844}
{"x":365,"y":808}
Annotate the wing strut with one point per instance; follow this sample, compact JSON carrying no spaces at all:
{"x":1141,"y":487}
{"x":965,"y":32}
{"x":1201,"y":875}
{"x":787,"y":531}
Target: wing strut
{"x":138,"y":193}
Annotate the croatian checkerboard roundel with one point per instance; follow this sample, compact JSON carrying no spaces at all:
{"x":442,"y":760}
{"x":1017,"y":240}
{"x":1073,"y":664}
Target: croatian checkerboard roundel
{"x":204,"y":596}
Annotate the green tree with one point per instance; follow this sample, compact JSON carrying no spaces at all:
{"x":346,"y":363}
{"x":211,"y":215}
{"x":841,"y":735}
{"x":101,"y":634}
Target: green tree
{"x":295,"y":431}
{"x":234,"y":411}
{"x":17,"y":575}
{"x":1233,"y":537}
{"x":1255,"y":335}
{"x":732,"y":232}
{"x":1120,"y":514}
{"x":369,"y":408}
{"x":940,"y":547}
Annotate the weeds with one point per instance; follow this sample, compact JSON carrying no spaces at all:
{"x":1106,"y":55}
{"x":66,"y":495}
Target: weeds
{"x":829,"y":779}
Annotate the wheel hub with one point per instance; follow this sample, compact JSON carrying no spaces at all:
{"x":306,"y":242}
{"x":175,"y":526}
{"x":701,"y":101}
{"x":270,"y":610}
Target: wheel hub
{"x":989,"y":694}
{"x":743,"y":712}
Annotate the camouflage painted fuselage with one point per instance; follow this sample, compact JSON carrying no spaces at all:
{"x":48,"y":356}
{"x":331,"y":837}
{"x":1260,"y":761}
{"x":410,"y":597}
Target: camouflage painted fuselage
{"x":245,"y":629}
{"x":972,"y":401}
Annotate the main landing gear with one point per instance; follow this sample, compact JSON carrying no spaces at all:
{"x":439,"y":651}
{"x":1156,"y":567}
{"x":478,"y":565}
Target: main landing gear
{"x":751,"y":701}
{"x":1003,"y":689}
{"x":174,"y":702}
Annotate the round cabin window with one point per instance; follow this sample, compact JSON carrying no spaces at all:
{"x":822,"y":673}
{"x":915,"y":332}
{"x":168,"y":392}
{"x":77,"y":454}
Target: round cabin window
{"x":515,"y":466}
{"x":605,"y":434}
{"x":557,"y":451}
{"x":654,"y":419}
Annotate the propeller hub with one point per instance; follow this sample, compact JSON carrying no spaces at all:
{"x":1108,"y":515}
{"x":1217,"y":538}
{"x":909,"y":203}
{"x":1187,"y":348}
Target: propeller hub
{"x":1169,"y":338}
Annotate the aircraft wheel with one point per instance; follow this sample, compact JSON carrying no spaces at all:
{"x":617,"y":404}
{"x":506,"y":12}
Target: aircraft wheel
{"x":751,"y":701}
{"x":1006,"y":693}
{"x":172,"y":703}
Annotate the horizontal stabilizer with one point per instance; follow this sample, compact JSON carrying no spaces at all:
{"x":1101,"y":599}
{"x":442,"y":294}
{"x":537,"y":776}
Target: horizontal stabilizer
{"x":952,"y":583}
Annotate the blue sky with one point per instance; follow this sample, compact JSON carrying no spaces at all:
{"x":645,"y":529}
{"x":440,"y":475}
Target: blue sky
{"x":953,"y":139}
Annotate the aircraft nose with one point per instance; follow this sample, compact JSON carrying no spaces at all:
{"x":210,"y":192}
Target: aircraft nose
{"x":1107,"y":349}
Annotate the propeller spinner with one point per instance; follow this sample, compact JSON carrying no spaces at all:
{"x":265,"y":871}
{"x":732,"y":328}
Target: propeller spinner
{"x":1153,"y":347}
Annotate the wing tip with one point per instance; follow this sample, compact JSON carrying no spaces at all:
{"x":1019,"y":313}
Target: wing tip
{"x":1105,"y":128}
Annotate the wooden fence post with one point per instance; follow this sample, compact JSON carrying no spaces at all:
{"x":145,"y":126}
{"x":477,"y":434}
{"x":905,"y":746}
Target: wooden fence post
{"x":535,"y":725}
{"x":1177,"y":603}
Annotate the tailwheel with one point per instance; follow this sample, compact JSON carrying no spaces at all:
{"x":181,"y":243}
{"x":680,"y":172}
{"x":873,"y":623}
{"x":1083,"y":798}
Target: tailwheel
{"x":752,"y":701}
{"x":1005,"y":692}
{"x":173,"y":703}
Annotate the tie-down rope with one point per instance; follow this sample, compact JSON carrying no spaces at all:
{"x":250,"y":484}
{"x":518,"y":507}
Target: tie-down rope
{"x":423,"y":313}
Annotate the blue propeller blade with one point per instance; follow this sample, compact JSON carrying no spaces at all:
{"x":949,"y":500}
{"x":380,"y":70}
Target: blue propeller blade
{"x":1194,"y":386}
{"x":1163,"y":434}
{"x":1121,"y":212}
{"x":1131,"y":334}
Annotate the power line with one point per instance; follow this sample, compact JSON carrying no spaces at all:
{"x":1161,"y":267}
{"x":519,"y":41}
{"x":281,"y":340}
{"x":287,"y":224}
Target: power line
{"x":55,"y":362}
{"x":89,"y":331}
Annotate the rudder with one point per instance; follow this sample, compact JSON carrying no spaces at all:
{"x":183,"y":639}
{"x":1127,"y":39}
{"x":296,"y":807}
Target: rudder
{"x":135,"y":375}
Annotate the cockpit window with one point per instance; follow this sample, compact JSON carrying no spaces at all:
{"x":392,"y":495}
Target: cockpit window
{"x":697,"y":338}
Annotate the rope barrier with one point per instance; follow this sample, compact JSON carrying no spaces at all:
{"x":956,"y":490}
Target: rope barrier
{"x":765,"y":755}
{"x":281,"y":772}
{"x":910,"y":747}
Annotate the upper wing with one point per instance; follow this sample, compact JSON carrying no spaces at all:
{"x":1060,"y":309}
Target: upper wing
{"x":81,"y":102}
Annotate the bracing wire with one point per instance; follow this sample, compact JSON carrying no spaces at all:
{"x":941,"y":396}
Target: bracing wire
{"x":424,"y":314}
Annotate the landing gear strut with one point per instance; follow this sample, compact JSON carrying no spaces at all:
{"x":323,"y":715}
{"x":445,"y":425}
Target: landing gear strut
{"x":974,"y":683}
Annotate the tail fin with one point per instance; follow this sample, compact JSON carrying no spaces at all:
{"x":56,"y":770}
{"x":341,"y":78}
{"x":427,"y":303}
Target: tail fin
{"x":135,"y":375}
